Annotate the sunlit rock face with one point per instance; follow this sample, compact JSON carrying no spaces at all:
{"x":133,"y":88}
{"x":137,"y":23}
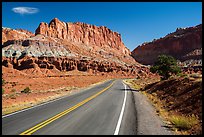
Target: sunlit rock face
{"x":89,"y":35}
{"x":71,"y":46}
{"x":185,"y":44}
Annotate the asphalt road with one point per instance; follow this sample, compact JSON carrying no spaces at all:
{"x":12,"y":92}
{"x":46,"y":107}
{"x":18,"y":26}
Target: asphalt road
{"x":109,"y":108}
{"x":105,"y":109}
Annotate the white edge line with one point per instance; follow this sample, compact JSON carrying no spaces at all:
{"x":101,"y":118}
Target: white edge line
{"x":33,"y":107}
{"x":121,"y":114}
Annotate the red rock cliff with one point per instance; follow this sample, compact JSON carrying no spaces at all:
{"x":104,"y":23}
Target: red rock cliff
{"x":183,"y":44}
{"x":89,"y":35}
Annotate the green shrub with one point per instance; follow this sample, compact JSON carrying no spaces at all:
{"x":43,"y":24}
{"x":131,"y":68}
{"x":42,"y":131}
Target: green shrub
{"x":26,"y":90}
{"x":165,"y":66}
{"x":2,"y":91}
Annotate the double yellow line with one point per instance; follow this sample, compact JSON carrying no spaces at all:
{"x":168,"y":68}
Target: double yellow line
{"x":48,"y":121}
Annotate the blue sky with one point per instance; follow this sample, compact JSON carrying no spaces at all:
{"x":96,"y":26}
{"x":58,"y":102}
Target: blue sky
{"x":137,"y":22}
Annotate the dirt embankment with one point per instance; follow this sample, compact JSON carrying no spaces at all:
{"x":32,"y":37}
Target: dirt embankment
{"x":177,"y":100}
{"x":181,"y":95}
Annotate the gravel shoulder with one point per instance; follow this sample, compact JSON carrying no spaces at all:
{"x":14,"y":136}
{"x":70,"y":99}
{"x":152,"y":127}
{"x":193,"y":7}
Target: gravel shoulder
{"x":148,"y":122}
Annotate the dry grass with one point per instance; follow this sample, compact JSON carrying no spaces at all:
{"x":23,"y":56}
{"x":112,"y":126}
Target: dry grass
{"x":184,"y":122}
{"x":180,"y":123}
{"x":132,"y":84}
{"x":139,"y":84}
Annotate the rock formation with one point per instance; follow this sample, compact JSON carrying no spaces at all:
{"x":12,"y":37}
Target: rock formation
{"x":65,"y":47}
{"x":12,"y":34}
{"x":185,"y":44}
{"x":89,"y":35}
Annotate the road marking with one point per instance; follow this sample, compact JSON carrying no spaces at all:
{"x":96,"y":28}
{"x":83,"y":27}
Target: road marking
{"x":47,"y":102}
{"x":121,"y":114}
{"x":33,"y":107}
{"x":48,"y":121}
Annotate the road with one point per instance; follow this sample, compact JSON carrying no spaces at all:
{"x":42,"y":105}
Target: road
{"x":109,"y":108}
{"x":105,"y":109}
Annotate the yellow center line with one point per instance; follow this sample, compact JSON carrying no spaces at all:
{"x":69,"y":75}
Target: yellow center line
{"x":48,"y":121}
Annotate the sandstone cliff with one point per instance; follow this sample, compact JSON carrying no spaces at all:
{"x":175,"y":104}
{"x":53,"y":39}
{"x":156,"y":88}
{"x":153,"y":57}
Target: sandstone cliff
{"x":89,"y":35}
{"x":61,"y":47}
{"x":185,"y":44}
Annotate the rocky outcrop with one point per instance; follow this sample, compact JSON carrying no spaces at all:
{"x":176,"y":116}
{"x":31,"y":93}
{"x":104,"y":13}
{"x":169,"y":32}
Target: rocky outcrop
{"x":185,"y":44}
{"x":80,"y":64}
{"x":12,"y":34}
{"x":88,"y":35}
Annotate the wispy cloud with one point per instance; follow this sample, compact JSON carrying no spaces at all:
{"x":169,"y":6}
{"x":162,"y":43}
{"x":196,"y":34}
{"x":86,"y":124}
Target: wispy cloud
{"x":25,"y":10}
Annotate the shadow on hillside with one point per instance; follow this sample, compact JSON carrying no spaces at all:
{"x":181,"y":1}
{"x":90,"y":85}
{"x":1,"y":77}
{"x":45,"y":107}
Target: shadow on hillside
{"x":150,"y":86}
{"x":160,"y":85}
{"x":180,"y":95}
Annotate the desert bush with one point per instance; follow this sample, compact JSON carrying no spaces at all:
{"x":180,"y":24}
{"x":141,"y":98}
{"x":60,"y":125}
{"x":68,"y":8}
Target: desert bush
{"x":26,"y":90}
{"x":12,"y":96}
{"x":13,"y":90}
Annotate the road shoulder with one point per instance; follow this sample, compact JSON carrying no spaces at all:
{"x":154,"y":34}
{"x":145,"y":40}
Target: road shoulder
{"x":148,"y":122}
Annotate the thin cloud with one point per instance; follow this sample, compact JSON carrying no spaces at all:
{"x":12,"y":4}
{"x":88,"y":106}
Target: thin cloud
{"x":25,"y":10}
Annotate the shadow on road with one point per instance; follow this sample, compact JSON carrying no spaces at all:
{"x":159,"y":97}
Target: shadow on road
{"x":168,"y":127}
{"x":129,"y":90}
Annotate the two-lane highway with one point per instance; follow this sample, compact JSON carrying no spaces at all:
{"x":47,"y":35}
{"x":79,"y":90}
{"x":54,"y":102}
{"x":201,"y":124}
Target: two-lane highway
{"x":107,"y":108}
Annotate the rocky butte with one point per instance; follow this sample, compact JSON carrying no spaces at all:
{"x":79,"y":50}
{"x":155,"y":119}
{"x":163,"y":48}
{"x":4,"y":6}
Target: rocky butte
{"x":62,"y":47}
